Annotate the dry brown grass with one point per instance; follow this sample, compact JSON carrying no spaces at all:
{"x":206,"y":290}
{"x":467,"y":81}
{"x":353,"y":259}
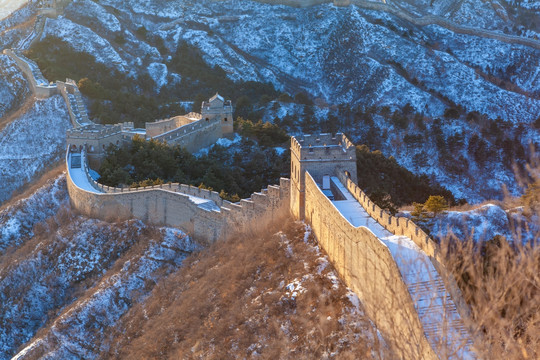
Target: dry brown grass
{"x":501,"y":283}
{"x":229,"y":301}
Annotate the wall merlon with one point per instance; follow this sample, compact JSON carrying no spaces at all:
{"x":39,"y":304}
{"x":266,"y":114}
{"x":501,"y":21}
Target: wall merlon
{"x":247,"y":204}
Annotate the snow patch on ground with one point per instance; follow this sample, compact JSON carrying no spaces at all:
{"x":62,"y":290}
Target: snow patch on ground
{"x":158,"y":72}
{"x":17,"y":220}
{"x":479,"y":224}
{"x":32,"y":142}
{"x":221,"y":142}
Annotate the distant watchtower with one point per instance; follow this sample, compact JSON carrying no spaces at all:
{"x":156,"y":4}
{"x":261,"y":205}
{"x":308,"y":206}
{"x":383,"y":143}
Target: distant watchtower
{"x":218,"y":107}
{"x":322,"y":156}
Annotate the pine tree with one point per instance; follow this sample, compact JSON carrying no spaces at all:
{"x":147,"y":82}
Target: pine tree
{"x":436,"y":204}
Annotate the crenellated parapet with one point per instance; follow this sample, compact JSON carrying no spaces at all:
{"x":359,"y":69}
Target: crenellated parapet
{"x":320,"y":154}
{"x":200,"y":212}
{"x":38,"y":84}
{"x":401,"y":226}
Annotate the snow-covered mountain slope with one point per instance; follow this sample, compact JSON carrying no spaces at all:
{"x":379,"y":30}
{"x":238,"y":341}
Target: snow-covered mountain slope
{"x":13,"y":87}
{"x":18,"y":25}
{"x":84,"y":257}
{"x":32,"y":142}
{"x":499,"y":15}
{"x":479,"y":224}
{"x":482,"y":224}
{"x":17,"y":220}
{"x":68,"y":258}
{"x":345,"y":55}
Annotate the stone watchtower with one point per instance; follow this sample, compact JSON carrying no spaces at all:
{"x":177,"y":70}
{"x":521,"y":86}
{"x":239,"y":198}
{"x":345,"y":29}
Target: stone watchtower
{"x":218,"y":107}
{"x":322,"y":156}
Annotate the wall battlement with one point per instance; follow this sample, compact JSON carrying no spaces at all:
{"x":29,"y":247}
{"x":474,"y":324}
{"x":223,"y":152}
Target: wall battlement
{"x":323,"y":147}
{"x":322,"y":155}
{"x":95,"y":131}
{"x":172,"y":205}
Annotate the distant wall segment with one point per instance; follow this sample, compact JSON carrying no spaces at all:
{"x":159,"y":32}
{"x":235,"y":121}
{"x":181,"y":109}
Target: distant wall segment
{"x":39,"y":86}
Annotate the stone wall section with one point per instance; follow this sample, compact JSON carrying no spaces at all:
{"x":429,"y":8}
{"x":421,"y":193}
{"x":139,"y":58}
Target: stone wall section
{"x":406,"y":227}
{"x":162,"y":126}
{"x":368,"y":268}
{"x":39,"y":86}
{"x":170,"y":205}
{"x":72,"y":96}
{"x":194,"y":136}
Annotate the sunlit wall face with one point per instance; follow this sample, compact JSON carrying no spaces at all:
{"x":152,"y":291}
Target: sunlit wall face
{"x":8,"y":6}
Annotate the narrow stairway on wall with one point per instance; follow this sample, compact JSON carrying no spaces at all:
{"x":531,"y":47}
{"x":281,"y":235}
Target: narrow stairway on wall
{"x":81,"y":108}
{"x":442,"y":323}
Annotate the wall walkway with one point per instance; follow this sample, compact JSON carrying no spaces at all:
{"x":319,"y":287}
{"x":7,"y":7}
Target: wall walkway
{"x":368,"y":268}
{"x":441,"y":322}
{"x":395,"y":269}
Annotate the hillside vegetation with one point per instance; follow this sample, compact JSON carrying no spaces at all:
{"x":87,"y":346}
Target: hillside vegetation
{"x":116,"y":96}
{"x":239,"y":170}
{"x":269,"y":294}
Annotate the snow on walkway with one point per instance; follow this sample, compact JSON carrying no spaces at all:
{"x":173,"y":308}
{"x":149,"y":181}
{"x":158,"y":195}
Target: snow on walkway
{"x":78,"y":175}
{"x":442,"y":324}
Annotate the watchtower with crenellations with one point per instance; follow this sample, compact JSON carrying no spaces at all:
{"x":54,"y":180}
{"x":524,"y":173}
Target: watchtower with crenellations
{"x":322,"y":155}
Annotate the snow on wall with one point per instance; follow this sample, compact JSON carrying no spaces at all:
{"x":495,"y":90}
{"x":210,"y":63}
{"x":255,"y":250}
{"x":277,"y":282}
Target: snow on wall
{"x":368,"y":268}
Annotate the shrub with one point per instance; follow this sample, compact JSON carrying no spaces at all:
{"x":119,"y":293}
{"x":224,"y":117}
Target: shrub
{"x":436,"y":204}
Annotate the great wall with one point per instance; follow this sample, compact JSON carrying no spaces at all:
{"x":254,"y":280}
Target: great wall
{"x":389,"y":262}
